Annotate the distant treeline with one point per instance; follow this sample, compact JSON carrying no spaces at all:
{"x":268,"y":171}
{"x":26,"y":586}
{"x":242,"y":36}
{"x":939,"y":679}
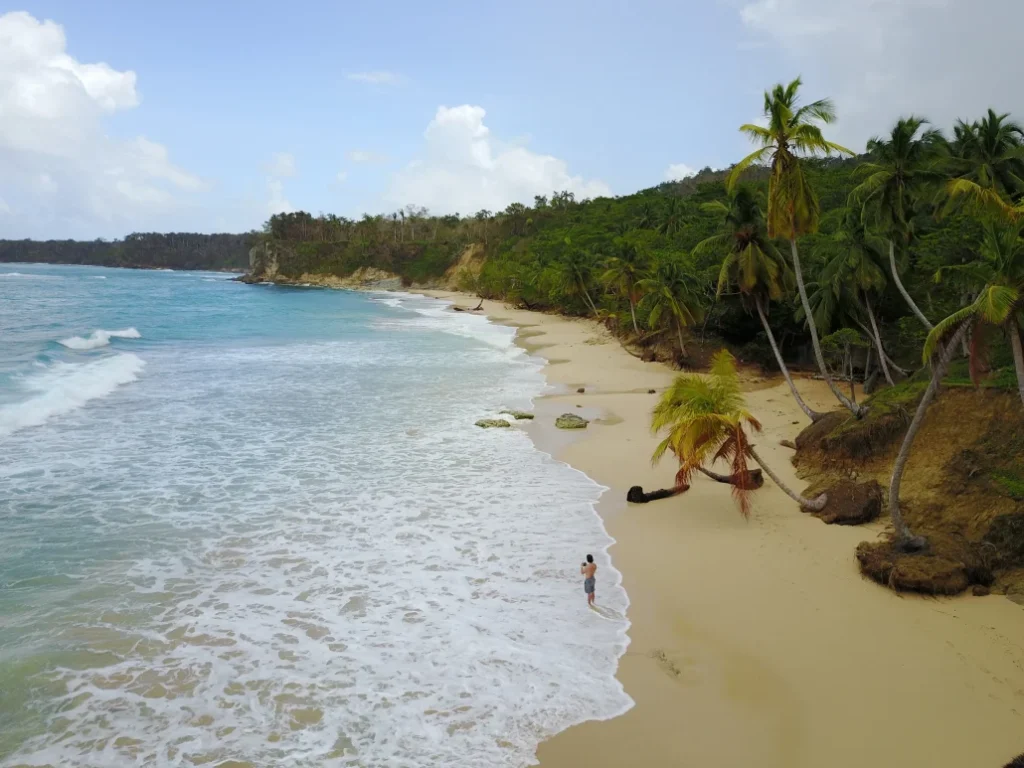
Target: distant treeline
{"x":146,"y":250}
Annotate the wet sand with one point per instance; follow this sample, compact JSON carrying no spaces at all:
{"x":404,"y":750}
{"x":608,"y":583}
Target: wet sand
{"x":757,"y":642}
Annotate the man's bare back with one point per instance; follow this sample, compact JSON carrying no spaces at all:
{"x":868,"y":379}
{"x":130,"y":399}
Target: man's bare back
{"x":589,"y":568}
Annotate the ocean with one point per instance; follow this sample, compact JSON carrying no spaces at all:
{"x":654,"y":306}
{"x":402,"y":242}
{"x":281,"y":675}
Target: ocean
{"x":256,"y":526}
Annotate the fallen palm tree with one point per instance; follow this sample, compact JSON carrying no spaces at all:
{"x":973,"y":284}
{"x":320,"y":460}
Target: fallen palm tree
{"x":707,"y":419}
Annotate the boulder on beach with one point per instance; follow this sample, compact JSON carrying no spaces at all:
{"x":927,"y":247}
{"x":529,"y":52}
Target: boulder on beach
{"x":518,"y":415}
{"x":571,"y":421}
{"x":492,"y":423}
{"x":852,"y":503}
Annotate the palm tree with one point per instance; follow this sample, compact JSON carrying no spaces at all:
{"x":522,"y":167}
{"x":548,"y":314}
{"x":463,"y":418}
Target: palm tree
{"x":672,"y":217}
{"x":1000,"y":303}
{"x":849,"y":280}
{"x":707,"y":419}
{"x":939,"y":354}
{"x":793,"y":208}
{"x":624,"y":274}
{"x":753,"y":265}
{"x":987,"y":152}
{"x":670,"y":297}
{"x":903,"y":166}
{"x":571,"y":275}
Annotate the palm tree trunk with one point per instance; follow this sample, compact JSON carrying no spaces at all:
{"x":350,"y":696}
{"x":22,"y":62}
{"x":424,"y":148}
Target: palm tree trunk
{"x":878,"y":341}
{"x":1018,"y":354}
{"x":812,"y":326}
{"x":590,"y":301}
{"x":867,"y":364}
{"x":899,"y":284}
{"x":812,"y":415}
{"x":632,"y":312}
{"x":816,"y":505}
{"x":679,"y":331}
{"x":853,"y":381}
{"x":888,"y":359}
{"x":903,"y":535}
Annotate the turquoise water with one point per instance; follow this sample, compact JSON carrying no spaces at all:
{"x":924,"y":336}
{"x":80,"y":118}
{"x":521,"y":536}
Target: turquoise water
{"x":257,"y":524}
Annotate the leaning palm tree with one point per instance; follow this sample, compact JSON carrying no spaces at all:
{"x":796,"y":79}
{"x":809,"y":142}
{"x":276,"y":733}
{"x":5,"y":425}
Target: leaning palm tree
{"x":793,"y":210}
{"x":753,"y":265}
{"x":1000,"y":303}
{"x":707,"y":419}
{"x":571,"y":276}
{"x":902,"y":168}
{"x":624,"y":272}
{"x":848,"y":282}
{"x":945,"y":338}
{"x":670,"y":298}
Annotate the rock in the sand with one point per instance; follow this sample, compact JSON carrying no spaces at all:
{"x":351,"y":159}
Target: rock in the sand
{"x":492,"y":423}
{"x":518,"y":415}
{"x":581,"y":390}
{"x":650,"y":392}
{"x":980,"y":590}
{"x":851,"y":503}
{"x":571,"y":421}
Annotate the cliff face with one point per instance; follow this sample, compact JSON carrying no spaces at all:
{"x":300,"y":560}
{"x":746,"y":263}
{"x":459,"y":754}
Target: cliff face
{"x":265,"y":261}
{"x":273,"y":262}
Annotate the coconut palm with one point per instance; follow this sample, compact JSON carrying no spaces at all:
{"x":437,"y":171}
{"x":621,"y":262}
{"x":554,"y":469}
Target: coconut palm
{"x":987,"y":157}
{"x":1000,"y":303}
{"x":670,"y":297}
{"x":624,"y":272}
{"x":939,"y":354}
{"x":752,"y":265}
{"x":671,"y":217}
{"x":793,"y":210}
{"x":848,"y":282}
{"x":903,"y":167}
{"x":988,"y":153}
{"x":571,"y":276}
{"x":707,"y":420}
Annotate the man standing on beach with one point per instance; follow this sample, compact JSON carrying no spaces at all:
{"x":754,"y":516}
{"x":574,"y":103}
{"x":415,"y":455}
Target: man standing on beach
{"x":588,"y":568}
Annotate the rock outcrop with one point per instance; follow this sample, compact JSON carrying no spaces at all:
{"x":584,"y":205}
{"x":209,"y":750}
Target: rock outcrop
{"x":571,"y":421}
{"x":518,"y":415}
{"x":493,"y":423}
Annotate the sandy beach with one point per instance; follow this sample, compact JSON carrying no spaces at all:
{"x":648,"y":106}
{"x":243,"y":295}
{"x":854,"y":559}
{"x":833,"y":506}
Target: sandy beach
{"x":757,"y":642}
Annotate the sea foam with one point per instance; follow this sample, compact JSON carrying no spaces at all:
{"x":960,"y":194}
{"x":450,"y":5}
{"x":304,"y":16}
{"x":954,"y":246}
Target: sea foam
{"x":99,"y":338}
{"x":305,"y":554}
{"x":64,"y":387}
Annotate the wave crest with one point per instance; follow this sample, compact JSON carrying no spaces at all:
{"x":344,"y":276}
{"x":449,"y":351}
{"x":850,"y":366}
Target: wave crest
{"x":65,"y":387}
{"x":99,"y":338}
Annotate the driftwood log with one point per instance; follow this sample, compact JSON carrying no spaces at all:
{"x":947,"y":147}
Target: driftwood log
{"x":636,"y":494}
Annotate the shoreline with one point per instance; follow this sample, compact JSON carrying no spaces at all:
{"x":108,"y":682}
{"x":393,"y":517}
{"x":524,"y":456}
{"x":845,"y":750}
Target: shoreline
{"x":758,"y":642}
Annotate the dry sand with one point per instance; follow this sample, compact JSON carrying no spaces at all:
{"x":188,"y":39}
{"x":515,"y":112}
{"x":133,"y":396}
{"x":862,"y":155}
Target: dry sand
{"x":757,"y":642}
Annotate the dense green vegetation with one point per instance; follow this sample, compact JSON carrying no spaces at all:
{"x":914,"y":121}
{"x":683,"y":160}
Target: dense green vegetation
{"x":176,"y":250}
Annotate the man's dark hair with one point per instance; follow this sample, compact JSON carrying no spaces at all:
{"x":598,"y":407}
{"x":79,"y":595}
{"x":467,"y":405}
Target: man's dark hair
{"x":590,"y":558}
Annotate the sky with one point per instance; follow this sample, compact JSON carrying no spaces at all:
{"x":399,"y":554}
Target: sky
{"x":118,"y":116}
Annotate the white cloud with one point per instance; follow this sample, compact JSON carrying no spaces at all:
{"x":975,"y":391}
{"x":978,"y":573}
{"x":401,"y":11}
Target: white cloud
{"x":464,"y":168}
{"x":4,"y":207}
{"x":281,"y":165}
{"x":69,"y":177}
{"x":277,"y":203}
{"x":367,"y":158}
{"x":341,"y":177}
{"x":679,"y":171}
{"x":379,"y":77}
{"x":881,"y":59}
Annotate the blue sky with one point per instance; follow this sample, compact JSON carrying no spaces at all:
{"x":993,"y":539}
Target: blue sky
{"x":244,"y":108}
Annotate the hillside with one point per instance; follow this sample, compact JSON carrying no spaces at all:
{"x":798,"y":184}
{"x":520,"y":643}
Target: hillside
{"x":150,"y":250}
